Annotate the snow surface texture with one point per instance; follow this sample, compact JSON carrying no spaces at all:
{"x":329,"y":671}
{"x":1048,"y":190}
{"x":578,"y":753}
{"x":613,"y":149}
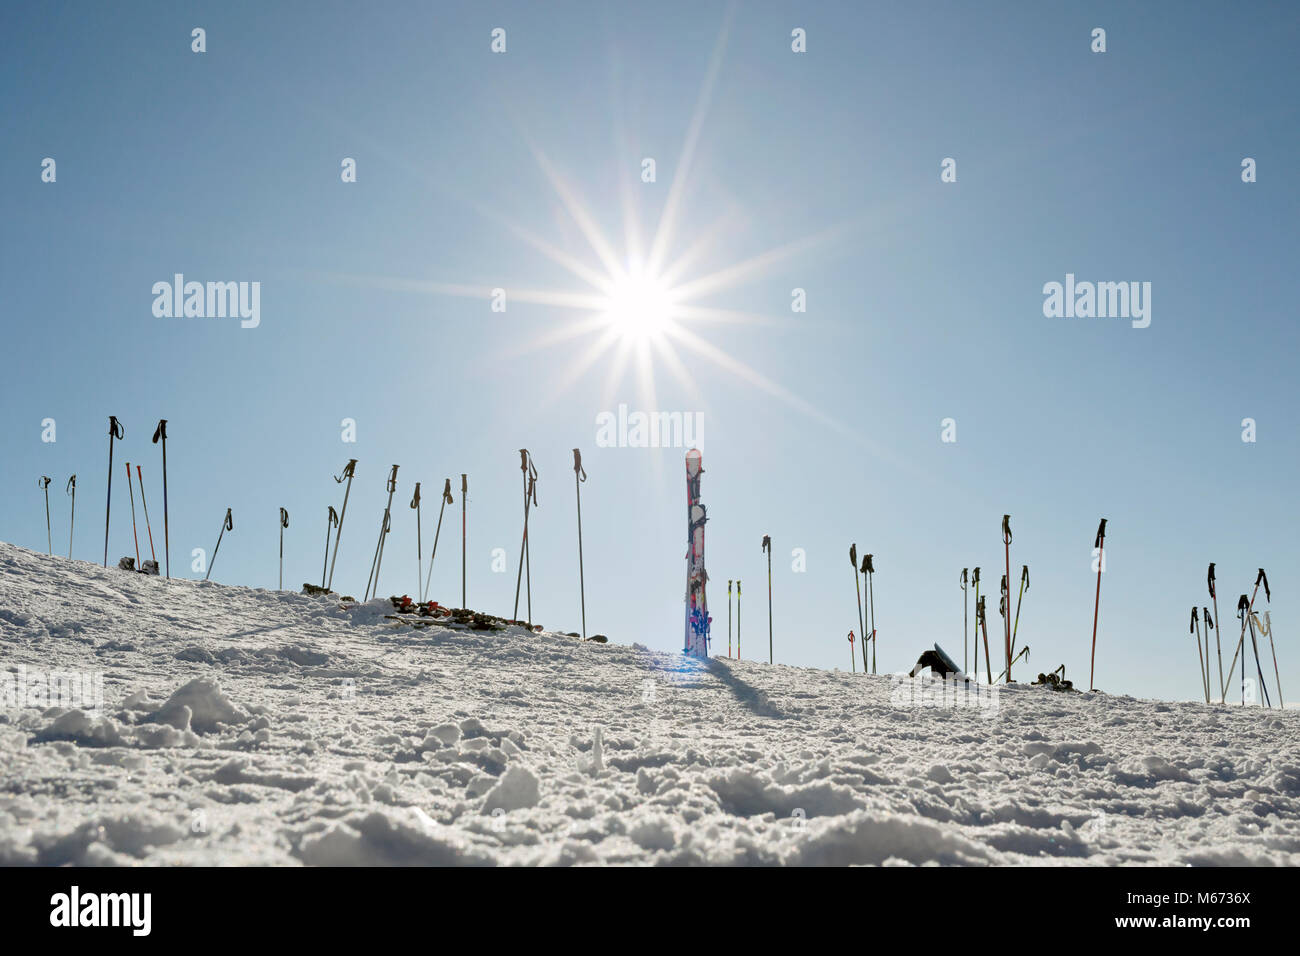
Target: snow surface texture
{"x":258,"y":727}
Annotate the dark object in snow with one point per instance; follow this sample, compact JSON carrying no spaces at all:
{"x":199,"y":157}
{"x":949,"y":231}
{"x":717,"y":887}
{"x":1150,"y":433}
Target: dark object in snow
{"x":126,"y":564}
{"x":149,"y":567}
{"x":1053,"y":681}
{"x":313,"y":589}
{"x":598,"y":639}
{"x":939,"y":662}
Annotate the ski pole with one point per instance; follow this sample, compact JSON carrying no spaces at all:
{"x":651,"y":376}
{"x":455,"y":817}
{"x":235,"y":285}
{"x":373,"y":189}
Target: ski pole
{"x":857,"y":586}
{"x":419,"y":545}
{"x":529,"y":471}
{"x":1209,"y":581}
{"x":144,"y":504}
{"x":1268,"y":629}
{"x":1259,"y":670}
{"x":160,"y":433}
{"x":227,"y":524}
{"x":965,"y":618}
{"x":332,"y":519}
{"x":384,"y":527}
{"x":349,"y":472}
{"x":1195,"y":628}
{"x":767,"y":547}
{"x":1099,"y":544}
{"x":1209,"y":623}
{"x":729,"y":617}
{"x":1243,"y":608}
{"x":44,"y":483}
{"x":115,"y":430}
{"x":284,"y":523}
{"x":1023,"y":652}
{"x":1024,"y":586}
{"x":446,"y":500}
{"x":975,"y":577}
{"x":1004,"y":611}
{"x":853,"y":661}
{"x":71,"y":489}
{"x":870,"y":569}
{"x":1006,"y":618}
{"x":1241,"y":641}
{"x":134,"y":534}
{"x":579,"y":476}
{"x":464,"y":497}
{"x":984,"y":626}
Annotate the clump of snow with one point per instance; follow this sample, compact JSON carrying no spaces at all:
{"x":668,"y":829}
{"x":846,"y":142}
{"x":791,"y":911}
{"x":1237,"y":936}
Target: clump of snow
{"x":518,"y":789}
{"x":201,"y":706}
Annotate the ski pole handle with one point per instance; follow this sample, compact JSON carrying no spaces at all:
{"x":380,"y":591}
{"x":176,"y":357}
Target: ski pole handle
{"x":965,"y":577}
{"x":464,"y":484}
{"x":1024,"y":576}
{"x":1006,"y":528}
{"x":115,"y":429}
{"x":853,"y":556}
{"x":1208,"y":623}
{"x":333,"y":517}
{"x":1264,"y":578}
{"x":446,"y":492}
{"x":975,"y":578}
{"x":577,"y":465}
{"x":229,"y":522}
{"x":1209,"y":579}
{"x":349,"y":470}
{"x":160,"y":431}
{"x":767,"y":543}
{"x":71,"y":487}
{"x":392,"y":480}
{"x":867,"y":566}
{"x":284,"y":518}
{"x":1191,"y":628}
{"x":43,"y":483}
{"x":1101,"y":534}
{"x":415,"y":499}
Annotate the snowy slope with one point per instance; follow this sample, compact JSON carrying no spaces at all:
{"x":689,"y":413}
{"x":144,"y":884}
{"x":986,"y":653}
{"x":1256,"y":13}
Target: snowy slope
{"x":249,"y":726}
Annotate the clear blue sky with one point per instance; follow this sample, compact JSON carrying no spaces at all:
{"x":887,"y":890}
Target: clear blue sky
{"x":924,"y":302}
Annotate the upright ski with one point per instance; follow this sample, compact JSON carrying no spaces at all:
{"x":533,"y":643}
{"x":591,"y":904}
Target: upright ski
{"x":697,"y":600}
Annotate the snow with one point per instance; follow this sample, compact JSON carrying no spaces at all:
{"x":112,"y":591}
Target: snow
{"x":185,"y":722}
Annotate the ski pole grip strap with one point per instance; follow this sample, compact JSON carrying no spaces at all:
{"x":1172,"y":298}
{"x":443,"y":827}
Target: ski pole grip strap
{"x":333,"y":517}
{"x":160,"y":431}
{"x":1101,"y":534}
{"x":1208,"y":623}
{"x":284,"y":518}
{"x":115,"y":429}
{"x":1264,"y":578}
{"x":43,"y":482}
{"x":1006,"y":528}
{"x":230,"y":522}
{"x":72,"y":483}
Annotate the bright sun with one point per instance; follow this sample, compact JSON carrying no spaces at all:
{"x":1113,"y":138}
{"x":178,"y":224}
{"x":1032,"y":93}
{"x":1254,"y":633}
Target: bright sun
{"x":640,"y":306}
